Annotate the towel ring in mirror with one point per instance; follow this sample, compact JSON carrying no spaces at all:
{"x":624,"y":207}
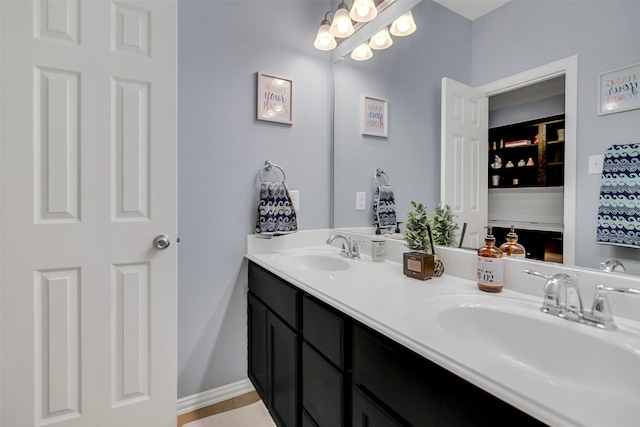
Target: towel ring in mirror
{"x":379,"y":173}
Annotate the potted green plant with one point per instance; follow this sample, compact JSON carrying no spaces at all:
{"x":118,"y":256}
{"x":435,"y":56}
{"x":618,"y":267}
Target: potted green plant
{"x":418,"y":263}
{"x":443,"y":226}
{"x":416,"y":228}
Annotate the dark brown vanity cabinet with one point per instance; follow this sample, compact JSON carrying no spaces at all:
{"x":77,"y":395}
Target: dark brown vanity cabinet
{"x":325,"y":379}
{"x":411,"y":390}
{"x":297,"y":353}
{"x":314,"y":366}
{"x":274,"y":344}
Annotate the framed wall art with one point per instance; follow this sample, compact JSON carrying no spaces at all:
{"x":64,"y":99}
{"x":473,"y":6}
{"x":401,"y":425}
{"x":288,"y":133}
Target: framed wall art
{"x":618,"y":90}
{"x":275,"y":99}
{"x":375,"y":117}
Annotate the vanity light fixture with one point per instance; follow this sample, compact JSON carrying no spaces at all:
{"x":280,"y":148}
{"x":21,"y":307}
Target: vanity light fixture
{"x":324,"y":38}
{"x":404,"y":25}
{"x":363,"y":10}
{"x":381,"y":40}
{"x":361,"y":53}
{"x":341,"y":26}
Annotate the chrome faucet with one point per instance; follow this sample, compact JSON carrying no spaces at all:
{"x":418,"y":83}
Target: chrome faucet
{"x":349,"y":246}
{"x":562,"y":299}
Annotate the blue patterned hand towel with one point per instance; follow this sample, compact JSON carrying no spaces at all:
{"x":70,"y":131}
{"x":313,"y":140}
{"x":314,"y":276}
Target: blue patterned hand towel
{"x":384,"y":207}
{"x":276,"y":214}
{"x":619,"y":209}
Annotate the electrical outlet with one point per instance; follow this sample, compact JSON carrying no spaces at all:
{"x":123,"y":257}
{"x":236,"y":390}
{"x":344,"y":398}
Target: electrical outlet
{"x":295,"y":199}
{"x":595,"y":163}
{"x":361,"y":200}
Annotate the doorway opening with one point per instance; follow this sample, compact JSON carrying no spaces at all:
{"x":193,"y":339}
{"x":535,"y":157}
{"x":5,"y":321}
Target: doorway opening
{"x":552,"y":75}
{"x":526,"y":171}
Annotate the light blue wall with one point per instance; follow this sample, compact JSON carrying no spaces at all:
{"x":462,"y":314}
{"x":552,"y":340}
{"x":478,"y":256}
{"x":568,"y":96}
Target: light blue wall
{"x":604,"y":34}
{"x":222,"y":44}
{"x":408,"y":75}
{"x":221,"y":147}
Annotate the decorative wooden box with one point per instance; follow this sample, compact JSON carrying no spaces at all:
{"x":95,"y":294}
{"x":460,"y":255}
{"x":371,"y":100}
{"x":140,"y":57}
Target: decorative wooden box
{"x":419,"y":265}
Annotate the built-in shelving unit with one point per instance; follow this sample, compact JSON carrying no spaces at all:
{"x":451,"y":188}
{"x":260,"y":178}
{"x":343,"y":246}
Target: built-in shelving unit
{"x":528,"y":154}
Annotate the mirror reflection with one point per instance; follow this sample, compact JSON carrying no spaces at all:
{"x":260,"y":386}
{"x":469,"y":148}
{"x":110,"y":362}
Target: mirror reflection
{"x":408,"y":76}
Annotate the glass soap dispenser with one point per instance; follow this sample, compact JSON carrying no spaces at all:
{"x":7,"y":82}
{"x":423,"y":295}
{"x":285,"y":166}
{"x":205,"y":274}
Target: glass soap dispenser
{"x":490,"y":265}
{"x":511,"y":247}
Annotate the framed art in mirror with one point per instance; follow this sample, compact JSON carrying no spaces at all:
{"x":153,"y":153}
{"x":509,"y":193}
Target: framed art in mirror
{"x":618,"y":90}
{"x":375,"y":117}
{"x":274,"y":99}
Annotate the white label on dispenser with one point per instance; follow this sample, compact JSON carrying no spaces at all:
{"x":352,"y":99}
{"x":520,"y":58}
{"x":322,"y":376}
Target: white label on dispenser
{"x":489,"y":271}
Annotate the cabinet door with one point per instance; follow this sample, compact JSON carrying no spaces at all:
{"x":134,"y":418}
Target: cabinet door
{"x":322,"y":389}
{"x":282,"y":360}
{"x":257,"y":326}
{"x":324,"y":329}
{"x":421,"y":392}
{"x":368,"y":414}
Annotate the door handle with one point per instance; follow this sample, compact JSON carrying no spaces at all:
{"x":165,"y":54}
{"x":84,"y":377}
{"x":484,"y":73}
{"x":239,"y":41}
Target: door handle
{"x":161,"y":242}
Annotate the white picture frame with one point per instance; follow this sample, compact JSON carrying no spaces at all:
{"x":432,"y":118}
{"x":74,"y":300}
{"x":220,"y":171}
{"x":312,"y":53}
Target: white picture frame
{"x":274,"y":98}
{"x":619,"y":90}
{"x":375,"y":117}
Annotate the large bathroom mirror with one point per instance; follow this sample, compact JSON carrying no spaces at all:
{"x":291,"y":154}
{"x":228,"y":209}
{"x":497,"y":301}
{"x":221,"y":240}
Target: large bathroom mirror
{"x":408,"y":77}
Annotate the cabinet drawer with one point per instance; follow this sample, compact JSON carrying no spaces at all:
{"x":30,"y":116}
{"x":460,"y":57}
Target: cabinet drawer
{"x":422,"y":392}
{"x":324,"y":329}
{"x":277,"y":294}
{"x":367,"y":413}
{"x":322,"y":389}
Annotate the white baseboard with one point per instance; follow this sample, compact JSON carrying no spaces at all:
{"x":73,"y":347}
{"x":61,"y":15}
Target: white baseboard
{"x":209,"y":397}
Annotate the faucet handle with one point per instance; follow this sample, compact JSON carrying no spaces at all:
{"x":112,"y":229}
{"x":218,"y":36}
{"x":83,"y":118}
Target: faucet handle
{"x":601,"y":312}
{"x":612,"y":265}
{"x":601,"y":309}
{"x":355,"y":250}
{"x":631,"y":291}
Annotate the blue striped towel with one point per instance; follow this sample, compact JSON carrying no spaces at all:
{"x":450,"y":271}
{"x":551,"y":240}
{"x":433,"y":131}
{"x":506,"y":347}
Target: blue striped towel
{"x":384,"y":207}
{"x":276,"y":214}
{"x":619,"y":208}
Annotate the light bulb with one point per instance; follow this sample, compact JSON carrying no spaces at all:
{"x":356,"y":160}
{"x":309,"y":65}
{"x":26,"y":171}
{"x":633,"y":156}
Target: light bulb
{"x":341,"y":25}
{"x":362,"y":52}
{"x":381,"y":40}
{"x":362,"y":10}
{"x":403,"y":25}
{"x":324,"y":39}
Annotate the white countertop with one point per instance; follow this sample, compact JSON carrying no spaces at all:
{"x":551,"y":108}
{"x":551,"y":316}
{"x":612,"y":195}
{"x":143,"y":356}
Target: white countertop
{"x":381,"y":297}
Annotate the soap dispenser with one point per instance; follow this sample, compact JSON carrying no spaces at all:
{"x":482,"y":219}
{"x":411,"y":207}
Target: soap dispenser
{"x":489,"y":265}
{"x":511,"y":247}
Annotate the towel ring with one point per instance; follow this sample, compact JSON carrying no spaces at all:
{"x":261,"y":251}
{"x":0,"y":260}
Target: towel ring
{"x":267,"y":167}
{"x":380,"y":172}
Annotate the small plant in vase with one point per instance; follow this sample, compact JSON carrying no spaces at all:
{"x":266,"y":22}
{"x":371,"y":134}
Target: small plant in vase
{"x":417,"y":228}
{"x":418,"y":264}
{"x":443,"y":226}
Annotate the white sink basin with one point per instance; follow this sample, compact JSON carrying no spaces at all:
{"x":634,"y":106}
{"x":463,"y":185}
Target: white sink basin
{"x":314,"y":262}
{"x":518,"y":333}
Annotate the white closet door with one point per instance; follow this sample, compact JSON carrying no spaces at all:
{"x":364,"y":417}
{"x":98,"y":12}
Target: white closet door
{"x":464,"y":176}
{"x":88,"y":179}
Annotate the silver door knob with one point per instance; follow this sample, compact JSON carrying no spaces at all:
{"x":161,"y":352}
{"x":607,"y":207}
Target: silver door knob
{"x":161,"y":242}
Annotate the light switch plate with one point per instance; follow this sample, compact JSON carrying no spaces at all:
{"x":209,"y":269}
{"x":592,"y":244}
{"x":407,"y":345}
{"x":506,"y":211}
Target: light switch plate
{"x":595,"y":163}
{"x":361,"y":200}
{"x":295,"y":199}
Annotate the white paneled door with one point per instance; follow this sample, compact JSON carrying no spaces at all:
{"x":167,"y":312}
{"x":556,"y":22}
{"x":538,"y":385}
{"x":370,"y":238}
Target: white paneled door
{"x":88,"y":180}
{"x":464,"y":128}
